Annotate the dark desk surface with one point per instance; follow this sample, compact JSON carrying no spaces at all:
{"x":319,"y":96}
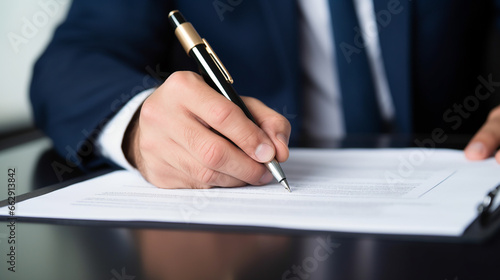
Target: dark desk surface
{"x":50,"y":251}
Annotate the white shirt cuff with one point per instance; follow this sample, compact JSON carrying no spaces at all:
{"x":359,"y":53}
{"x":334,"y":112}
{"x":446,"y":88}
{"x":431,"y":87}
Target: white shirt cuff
{"x":109,"y":142}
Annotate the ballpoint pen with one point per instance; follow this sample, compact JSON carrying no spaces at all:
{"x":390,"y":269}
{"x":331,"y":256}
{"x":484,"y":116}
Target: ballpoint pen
{"x":215,"y":74}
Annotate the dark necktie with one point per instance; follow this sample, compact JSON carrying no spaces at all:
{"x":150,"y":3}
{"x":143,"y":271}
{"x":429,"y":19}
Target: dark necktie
{"x":361,"y":110}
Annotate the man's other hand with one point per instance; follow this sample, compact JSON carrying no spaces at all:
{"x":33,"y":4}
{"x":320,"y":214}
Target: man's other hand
{"x":487,"y":140}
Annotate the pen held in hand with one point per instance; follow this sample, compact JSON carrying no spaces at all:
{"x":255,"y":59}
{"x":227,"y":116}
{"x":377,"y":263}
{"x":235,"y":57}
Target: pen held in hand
{"x":215,"y":75}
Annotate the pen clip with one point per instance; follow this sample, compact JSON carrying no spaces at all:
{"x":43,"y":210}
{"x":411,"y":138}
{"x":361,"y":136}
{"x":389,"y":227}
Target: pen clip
{"x":217,"y":61}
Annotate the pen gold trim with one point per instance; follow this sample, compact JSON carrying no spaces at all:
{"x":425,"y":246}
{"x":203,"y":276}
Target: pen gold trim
{"x":217,"y":61}
{"x":188,"y":36}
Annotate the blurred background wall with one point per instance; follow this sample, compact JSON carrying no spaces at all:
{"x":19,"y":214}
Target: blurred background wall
{"x":26,"y":27}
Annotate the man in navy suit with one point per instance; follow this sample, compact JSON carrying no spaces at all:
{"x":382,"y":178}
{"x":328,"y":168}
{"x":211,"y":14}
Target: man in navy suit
{"x":104,"y":92}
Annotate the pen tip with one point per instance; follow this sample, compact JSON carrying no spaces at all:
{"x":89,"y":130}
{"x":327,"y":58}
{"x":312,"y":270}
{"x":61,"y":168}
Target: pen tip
{"x":284,"y":183}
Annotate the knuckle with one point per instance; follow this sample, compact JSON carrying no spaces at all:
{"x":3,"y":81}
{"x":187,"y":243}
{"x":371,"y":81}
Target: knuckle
{"x":283,"y":122}
{"x":196,"y":180}
{"x":208,"y":177}
{"x":191,"y":137}
{"x":220,"y":113}
{"x":213,"y":154}
{"x":276,"y":122}
{"x":286,"y":122}
{"x":253,"y":175}
{"x":248,"y":140}
{"x":148,"y":110}
{"x":280,"y":121}
{"x":181,"y":79}
{"x":178,"y":77}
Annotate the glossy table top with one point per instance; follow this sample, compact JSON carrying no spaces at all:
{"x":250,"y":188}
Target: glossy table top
{"x":90,"y":251}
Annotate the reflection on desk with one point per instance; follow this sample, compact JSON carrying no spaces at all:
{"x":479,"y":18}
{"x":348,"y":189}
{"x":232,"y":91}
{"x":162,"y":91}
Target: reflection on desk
{"x":202,"y":255}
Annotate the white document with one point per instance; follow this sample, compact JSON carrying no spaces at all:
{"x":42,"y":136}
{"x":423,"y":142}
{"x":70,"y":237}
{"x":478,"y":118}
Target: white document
{"x":395,"y":191}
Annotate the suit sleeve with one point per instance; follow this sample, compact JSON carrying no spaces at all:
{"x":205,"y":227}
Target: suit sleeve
{"x":101,"y":56}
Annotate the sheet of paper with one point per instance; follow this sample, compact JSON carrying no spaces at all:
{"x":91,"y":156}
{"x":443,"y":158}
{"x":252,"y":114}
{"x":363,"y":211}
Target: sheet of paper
{"x":397,"y":191}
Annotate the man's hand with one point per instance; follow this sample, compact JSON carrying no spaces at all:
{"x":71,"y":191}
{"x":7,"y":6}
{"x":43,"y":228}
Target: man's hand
{"x":487,"y":140}
{"x":173,"y":143}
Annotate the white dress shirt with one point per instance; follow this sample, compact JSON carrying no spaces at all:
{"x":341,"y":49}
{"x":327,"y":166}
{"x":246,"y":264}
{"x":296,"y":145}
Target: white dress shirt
{"x":323,"y":111}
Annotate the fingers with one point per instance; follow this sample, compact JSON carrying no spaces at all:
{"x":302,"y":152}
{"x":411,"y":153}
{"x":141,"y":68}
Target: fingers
{"x":487,"y":139}
{"x":178,"y":149}
{"x":185,"y":173}
{"x":169,"y":165}
{"x":276,"y":126}
{"x":229,"y":120}
{"x":210,"y":158}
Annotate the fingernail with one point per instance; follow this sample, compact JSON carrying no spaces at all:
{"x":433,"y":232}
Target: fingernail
{"x":264,"y":153}
{"x":283,"y":139}
{"x":266,"y":178}
{"x":477,"y":148}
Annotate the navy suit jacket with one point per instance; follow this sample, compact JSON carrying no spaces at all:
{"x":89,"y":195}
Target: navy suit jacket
{"x":108,"y":51}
